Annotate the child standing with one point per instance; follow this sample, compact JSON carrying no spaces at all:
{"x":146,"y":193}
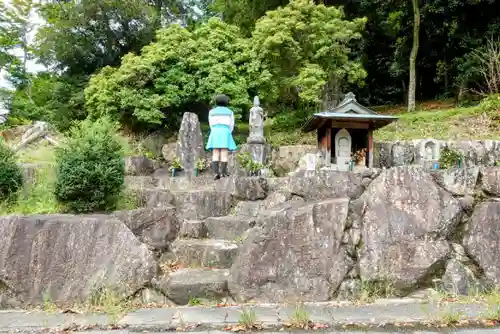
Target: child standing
{"x":220,"y":141}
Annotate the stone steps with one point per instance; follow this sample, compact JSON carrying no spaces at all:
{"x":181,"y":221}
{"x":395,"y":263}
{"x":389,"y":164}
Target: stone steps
{"x":194,"y":204}
{"x":228,"y":227}
{"x":195,"y":285}
{"x":204,"y":253}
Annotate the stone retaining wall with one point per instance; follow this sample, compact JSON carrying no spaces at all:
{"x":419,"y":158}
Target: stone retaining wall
{"x":314,"y":238}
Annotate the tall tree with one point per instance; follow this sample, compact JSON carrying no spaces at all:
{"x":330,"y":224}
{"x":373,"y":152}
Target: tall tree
{"x":307,"y":50}
{"x":412,"y":86}
{"x":80,"y":37}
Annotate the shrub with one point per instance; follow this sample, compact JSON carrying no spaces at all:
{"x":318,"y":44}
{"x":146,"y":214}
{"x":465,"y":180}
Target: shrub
{"x":90,"y":167}
{"x":11,"y":175}
{"x":491,"y":103}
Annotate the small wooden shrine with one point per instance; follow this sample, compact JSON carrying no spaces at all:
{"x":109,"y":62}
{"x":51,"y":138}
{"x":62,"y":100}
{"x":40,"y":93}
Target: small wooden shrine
{"x":345,"y":133}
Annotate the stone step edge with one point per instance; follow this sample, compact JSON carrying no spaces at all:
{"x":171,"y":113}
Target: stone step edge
{"x":276,"y":316}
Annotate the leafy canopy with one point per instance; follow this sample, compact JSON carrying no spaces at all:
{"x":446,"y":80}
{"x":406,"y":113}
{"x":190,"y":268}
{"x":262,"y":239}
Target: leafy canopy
{"x":181,"y":68}
{"x":306,"y":48}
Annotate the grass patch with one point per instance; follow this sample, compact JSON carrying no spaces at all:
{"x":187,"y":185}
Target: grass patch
{"x":40,"y":152}
{"x":248,"y":318}
{"x":443,"y":124}
{"x":194,"y":301}
{"x":371,"y":291}
{"x":449,"y":317}
{"x":107,"y":300}
{"x":300,"y":317}
{"x":37,"y":196}
{"x":493,"y":301}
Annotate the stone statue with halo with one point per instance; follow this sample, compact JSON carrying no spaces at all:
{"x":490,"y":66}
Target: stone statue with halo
{"x":256,"y":123}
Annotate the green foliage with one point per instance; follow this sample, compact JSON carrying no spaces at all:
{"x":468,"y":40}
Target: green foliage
{"x":306,"y":52}
{"x":90,"y":167}
{"x":37,"y":197}
{"x":11,"y":176}
{"x":181,"y":68}
{"x":246,"y":162}
{"x":445,"y":124}
{"x":449,"y":158}
{"x":81,"y":37}
{"x":491,"y":104}
{"x":288,"y":119}
{"x":176,"y":164}
{"x":55,"y":99}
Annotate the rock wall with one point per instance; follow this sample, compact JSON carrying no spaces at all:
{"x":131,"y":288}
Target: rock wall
{"x":285,"y":159}
{"x":475,"y":152}
{"x":400,"y":229}
{"x":314,"y":238}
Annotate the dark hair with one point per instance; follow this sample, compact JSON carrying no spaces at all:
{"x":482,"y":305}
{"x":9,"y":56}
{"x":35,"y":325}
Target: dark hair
{"x":221,"y":101}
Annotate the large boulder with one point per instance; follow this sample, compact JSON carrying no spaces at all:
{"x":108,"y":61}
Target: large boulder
{"x":294,"y":254}
{"x":65,"y":258}
{"x":156,"y":227}
{"x":458,"y":181}
{"x":405,"y":218}
{"x":490,"y":180}
{"x":327,"y":184}
{"x":482,"y":239}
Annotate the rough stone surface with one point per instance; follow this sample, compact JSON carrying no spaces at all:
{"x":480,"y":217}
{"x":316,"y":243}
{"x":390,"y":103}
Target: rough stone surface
{"x":490,"y":180}
{"x":194,"y":229}
{"x":201,"y":204}
{"x":482,"y":239}
{"x":286,"y":158}
{"x":327,"y":184}
{"x":474,"y":152}
{"x":405,"y":216}
{"x":186,"y":284}
{"x":228,"y":227}
{"x":460,"y":280}
{"x":168,"y":151}
{"x":250,"y":188}
{"x":138,"y":165}
{"x":156,"y":227}
{"x":66,"y":257}
{"x":205,"y":253}
{"x":294,"y":254}
{"x":458,"y":181}
{"x":190,"y":143}
{"x":402,"y":153}
{"x":350,"y":289}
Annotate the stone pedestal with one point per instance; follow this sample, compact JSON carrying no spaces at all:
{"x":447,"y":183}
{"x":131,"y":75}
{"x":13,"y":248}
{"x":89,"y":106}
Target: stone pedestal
{"x":260,"y":153}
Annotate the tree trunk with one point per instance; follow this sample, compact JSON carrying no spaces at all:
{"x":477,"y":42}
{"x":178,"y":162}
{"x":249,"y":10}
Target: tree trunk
{"x":412,"y":85}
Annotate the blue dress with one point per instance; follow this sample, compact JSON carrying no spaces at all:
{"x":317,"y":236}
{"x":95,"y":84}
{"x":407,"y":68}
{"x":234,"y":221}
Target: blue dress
{"x":221,"y":121}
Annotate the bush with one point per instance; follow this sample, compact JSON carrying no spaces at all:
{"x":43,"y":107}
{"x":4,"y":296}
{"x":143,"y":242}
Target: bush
{"x":91,"y":168}
{"x":491,"y":103}
{"x":11,"y":175}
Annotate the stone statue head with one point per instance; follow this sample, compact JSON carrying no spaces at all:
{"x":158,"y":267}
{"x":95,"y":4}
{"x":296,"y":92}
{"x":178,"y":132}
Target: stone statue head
{"x":256,"y":101}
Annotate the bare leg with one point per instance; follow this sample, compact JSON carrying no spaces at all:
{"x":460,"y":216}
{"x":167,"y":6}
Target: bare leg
{"x":224,"y":154}
{"x":216,"y":155}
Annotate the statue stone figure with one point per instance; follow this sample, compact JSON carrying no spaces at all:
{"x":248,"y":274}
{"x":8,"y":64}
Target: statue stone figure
{"x":256,"y":123}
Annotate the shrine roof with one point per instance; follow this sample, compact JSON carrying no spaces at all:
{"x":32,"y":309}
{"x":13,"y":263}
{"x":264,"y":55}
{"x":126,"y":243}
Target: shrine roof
{"x":348,"y":110}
